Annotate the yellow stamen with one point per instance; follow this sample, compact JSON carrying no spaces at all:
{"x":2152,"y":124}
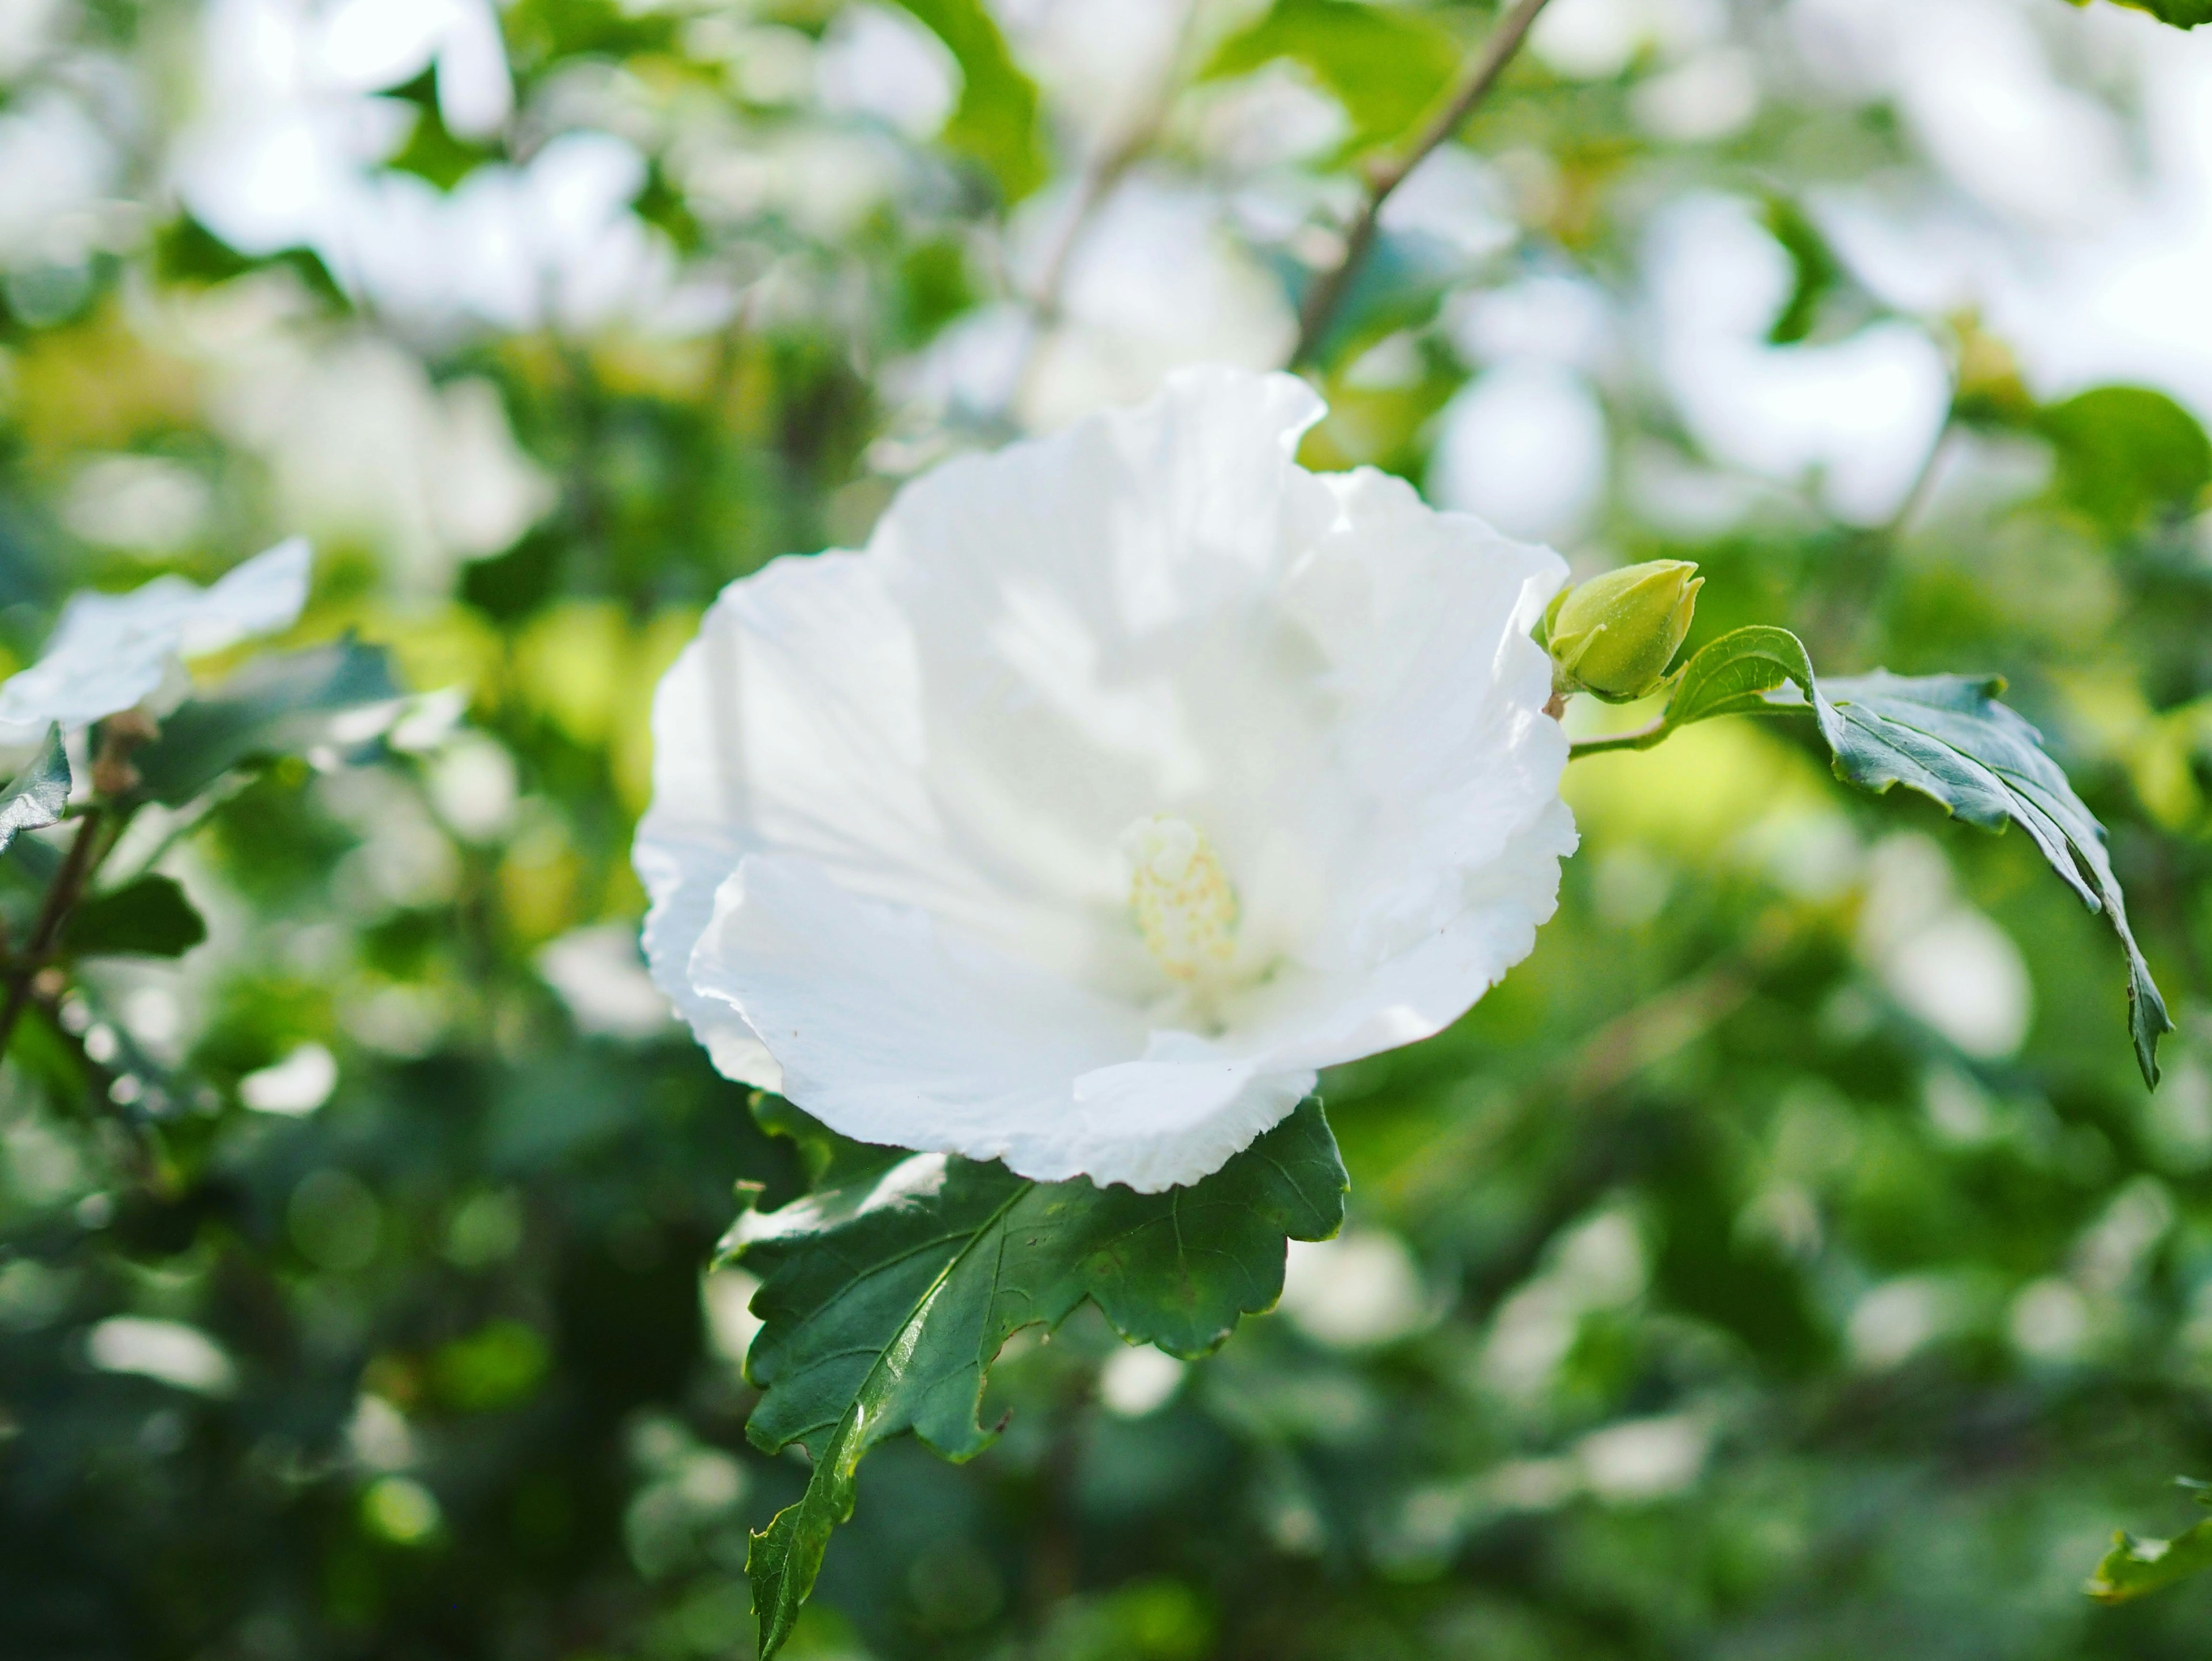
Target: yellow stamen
{"x":1181,"y":897}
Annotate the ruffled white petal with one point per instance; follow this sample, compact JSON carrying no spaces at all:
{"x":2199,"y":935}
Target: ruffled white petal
{"x":890,"y":789}
{"x":110,"y":652}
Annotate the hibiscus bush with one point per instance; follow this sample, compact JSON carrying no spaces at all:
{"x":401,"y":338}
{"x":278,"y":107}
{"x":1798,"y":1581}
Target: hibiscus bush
{"x":1154,"y":830}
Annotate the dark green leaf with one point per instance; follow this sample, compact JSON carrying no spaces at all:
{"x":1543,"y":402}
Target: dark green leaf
{"x":1947,"y":737}
{"x":2127,"y":455}
{"x":1944,"y":735}
{"x":149,"y":918}
{"x":996,"y":119}
{"x":35,"y":797}
{"x":281,"y":705}
{"x":886,"y":1300}
{"x":1385,"y":64}
{"x":2135,"y":1567}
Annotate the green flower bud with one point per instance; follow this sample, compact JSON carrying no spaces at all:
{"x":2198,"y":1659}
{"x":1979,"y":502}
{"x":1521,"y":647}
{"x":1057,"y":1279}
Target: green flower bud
{"x":1616,"y":635}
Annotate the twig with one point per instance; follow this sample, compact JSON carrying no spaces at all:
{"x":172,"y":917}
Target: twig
{"x":68,"y":884}
{"x":1329,"y":290}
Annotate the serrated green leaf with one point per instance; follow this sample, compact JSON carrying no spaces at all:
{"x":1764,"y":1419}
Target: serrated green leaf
{"x":36,"y":796}
{"x":885,"y":1301}
{"x":996,"y":118}
{"x":2126,"y":455}
{"x":1385,"y":64}
{"x":1943,"y":736}
{"x":149,"y":918}
{"x":1947,"y":737}
{"x":2135,"y":1567}
{"x":280,"y":706}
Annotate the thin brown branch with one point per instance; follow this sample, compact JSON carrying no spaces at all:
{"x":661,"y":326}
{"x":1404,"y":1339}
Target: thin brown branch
{"x":61,"y":897}
{"x":1326,"y":295}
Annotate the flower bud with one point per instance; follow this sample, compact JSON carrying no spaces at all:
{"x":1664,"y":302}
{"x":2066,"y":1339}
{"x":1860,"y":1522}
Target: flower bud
{"x":1616,"y":635}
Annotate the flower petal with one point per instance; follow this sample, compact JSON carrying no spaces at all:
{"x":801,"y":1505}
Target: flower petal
{"x":889,"y":1028}
{"x":110,"y":651}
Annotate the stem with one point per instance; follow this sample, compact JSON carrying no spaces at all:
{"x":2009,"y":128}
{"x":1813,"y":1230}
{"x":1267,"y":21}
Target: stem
{"x":68,"y":885}
{"x":1643,"y":738}
{"x":1326,"y":295}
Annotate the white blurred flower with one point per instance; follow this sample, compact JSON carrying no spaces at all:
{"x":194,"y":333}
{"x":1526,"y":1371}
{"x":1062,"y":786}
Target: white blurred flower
{"x":1128,"y":777}
{"x":1950,"y":965}
{"x":169,"y":1351}
{"x":288,"y":151}
{"x":1854,"y":419}
{"x":1153,"y":283}
{"x":1360,"y":1289}
{"x":111,"y":652}
{"x":369,"y":45}
{"x":599,"y":975}
{"x":1525,"y":445}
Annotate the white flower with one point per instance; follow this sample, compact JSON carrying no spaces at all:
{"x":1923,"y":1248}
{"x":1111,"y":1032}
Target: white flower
{"x":111,"y":652}
{"x":1128,"y":777}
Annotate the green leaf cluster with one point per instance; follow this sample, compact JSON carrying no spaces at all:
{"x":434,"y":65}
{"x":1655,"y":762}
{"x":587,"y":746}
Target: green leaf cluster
{"x":887,"y":1292}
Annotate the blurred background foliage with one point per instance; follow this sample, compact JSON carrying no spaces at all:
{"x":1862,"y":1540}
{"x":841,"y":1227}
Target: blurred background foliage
{"x":1784,"y":1262}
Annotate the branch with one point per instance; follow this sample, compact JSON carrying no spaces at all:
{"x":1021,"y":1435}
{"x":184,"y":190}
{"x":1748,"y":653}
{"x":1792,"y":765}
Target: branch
{"x":68,"y":884}
{"x":1326,"y":295}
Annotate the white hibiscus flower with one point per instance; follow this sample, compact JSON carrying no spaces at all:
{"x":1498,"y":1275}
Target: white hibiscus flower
{"x":1128,"y":777}
{"x":111,"y":652}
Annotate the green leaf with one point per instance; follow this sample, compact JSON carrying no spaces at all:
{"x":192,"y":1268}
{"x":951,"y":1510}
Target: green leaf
{"x":2182,"y":14}
{"x":280,"y":706}
{"x":996,"y":119}
{"x":1944,"y":735}
{"x":1817,"y":269}
{"x":2127,"y":455}
{"x":149,"y":918}
{"x":2135,"y":1567}
{"x":1734,"y":673}
{"x":1947,"y":737}
{"x":35,"y":797}
{"x":885,"y":1299}
{"x":1386,"y":64}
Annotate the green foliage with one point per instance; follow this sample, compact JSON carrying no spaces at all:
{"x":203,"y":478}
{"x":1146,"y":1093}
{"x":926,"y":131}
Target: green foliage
{"x":887,"y":1297}
{"x":1385,"y":64}
{"x":1702,"y":1290}
{"x":277,"y":705}
{"x":148,"y":917}
{"x":1945,"y":736}
{"x":2127,"y":455}
{"x":996,"y":121}
{"x":36,"y":796}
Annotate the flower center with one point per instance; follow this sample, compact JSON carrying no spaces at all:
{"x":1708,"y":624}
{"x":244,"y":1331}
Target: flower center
{"x":1181,"y":898}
